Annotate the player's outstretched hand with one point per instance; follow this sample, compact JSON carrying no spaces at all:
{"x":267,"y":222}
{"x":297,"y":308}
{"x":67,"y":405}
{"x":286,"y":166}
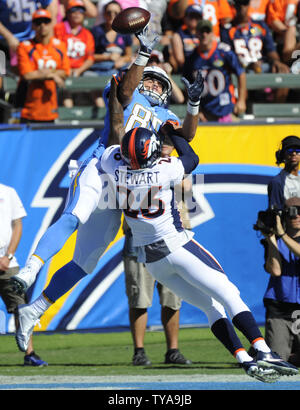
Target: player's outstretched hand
{"x":147,"y":41}
{"x":195,"y":89}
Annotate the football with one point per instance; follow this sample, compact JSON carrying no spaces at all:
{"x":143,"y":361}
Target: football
{"x":131,"y":20}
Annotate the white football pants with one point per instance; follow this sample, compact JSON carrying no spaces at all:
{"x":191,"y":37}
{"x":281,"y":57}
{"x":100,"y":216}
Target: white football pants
{"x":193,"y":274}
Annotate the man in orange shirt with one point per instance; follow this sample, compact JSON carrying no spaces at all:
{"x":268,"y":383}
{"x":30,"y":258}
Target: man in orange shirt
{"x":43,"y":65}
{"x":78,"y":40}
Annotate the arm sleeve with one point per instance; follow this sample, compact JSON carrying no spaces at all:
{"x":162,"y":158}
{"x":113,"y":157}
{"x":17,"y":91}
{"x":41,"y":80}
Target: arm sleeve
{"x":234,"y":63}
{"x":90,"y":50}
{"x":186,"y":153}
{"x":65,"y":63}
{"x":24,"y":64}
{"x":269,"y":44}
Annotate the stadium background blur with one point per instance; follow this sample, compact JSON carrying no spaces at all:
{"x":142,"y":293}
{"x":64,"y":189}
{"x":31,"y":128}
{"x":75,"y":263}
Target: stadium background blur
{"x":237,"y":160}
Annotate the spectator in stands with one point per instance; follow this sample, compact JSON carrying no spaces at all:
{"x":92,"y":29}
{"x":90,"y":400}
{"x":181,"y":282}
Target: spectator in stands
{"x":112,"y":50}
{"x":185,"y":40}
{"x":218,"y":12}
{"x":282,"y":18}
{"x":252,"y":42}
{"x":43,"y":65}
{"x":16,"y":25}
{"x":217,"y":62}
{"x":78,"y":40}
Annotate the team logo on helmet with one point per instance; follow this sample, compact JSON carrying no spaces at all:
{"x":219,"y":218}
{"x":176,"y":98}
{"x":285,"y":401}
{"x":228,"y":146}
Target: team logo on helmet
{"x":151,"y":145}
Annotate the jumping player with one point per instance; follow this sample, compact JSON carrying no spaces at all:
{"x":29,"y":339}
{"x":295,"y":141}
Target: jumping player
{"x":144,"y":94}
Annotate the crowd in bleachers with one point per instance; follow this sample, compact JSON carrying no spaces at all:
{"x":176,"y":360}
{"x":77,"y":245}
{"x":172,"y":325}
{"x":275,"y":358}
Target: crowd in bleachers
{"x":50,"y":41}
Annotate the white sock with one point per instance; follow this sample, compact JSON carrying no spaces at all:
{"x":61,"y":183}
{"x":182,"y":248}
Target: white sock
{"x":242,"y":356}
{"x":35,"y":264}
{"x":40,"y":305}
{"x":261,"y":345}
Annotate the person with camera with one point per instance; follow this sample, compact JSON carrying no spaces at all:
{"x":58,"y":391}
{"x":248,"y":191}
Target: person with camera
{"x":282,"y":297}
{"x":287,"y":183}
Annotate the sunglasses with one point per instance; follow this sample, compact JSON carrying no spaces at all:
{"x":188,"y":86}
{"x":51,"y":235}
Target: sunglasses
{"x":38,"y":22}
{"x":203,"y":30}
{"x":291,"y":150}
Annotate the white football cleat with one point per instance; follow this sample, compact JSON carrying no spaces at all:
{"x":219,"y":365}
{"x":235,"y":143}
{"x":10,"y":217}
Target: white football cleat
{"x":27,"y":318}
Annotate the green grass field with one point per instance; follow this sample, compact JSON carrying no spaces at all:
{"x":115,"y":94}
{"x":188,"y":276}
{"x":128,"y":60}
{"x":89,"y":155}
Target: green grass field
{"x":103,"y":354}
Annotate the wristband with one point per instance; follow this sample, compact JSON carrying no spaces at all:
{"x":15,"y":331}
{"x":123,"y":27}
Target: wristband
{"x":9,"y":256}
{"x":280,"y":236}
{"x":142,"y":59}
{"x":193,"y":107}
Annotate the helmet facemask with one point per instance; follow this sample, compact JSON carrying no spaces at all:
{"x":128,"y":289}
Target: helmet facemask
{"x":152,"y":96}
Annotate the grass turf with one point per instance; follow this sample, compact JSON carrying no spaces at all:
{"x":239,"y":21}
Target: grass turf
{"x":103,"y":354}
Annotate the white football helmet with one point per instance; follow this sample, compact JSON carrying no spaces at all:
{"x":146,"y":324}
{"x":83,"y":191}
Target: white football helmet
{"x":153,"y":97}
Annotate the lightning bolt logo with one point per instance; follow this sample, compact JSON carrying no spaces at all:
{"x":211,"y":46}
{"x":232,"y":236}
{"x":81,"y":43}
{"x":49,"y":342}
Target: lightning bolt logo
{"x":75,"y":182}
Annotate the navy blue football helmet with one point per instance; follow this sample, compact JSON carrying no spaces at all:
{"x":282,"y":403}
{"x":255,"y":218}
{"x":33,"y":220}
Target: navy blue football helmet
{"x":140,"y":148}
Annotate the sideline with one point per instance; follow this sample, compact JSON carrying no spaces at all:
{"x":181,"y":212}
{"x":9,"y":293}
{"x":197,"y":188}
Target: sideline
{"x":178,"y":382}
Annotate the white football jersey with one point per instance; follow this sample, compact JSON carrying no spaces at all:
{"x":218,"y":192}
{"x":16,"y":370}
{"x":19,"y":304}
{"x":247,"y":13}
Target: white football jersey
{"x":147,"y":198}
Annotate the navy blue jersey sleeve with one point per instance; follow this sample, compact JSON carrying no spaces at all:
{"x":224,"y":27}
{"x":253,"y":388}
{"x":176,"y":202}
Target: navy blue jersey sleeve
{"x":186,"y":153}
{"x":225,"y":38}
{"x":269,"y":44}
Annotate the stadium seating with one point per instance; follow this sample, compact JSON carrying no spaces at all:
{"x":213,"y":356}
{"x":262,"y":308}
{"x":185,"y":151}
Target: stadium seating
{"x":254,"y":82}
{"x":276,"y":110}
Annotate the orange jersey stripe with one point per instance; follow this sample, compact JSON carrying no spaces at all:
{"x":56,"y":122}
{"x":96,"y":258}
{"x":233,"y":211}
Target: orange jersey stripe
{"x":131,"y":147}
{"x":237,"y":351}
{"x":256,"y":340}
